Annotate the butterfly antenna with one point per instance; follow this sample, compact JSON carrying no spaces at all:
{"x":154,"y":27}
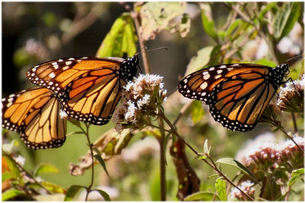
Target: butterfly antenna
{"x":291,"y":61}
{"x":154,"y":49}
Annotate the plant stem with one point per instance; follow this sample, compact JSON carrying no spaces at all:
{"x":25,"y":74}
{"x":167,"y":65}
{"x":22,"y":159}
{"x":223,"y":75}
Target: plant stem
{"x":284,"y":131}
{"x":213,"y":165}
{"x":294,"y":123}
{"x":162,"y":161}
{"x":135,"y":16}
{"x":86,"y":132}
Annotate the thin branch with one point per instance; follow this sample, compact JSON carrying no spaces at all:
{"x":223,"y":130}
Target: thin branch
{"x":86,"y":132}
{"x":182,"y":111}
{"x":287,"y":135}
{"x":213,"y":165}
{"x":294,"y":123}
{"x":27,"y":173}
{"x":135,"y":16}
{"x":267,"y":38}
{"x":162,"y":161}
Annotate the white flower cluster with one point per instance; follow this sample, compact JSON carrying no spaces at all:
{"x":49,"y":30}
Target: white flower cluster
{"x":141,"y":97}
{"x":290,"y":88}
{"x":246,"y":187}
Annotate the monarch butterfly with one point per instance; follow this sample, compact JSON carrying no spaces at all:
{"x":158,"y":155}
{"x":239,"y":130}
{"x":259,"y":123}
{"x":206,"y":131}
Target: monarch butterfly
{"x":88,"y":88}
{"x":237,"y":94}
{"x":35,"y":115}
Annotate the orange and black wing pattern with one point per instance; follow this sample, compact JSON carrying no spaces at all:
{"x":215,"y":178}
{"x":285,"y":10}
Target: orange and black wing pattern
{"x":88,"y":88}
{"x":35,"y":115}
{"x":237,"y":94}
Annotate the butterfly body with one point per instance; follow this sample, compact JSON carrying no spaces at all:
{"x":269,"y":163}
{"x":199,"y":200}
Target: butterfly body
{"x":237,"y":94}
{"x":88,"y":88}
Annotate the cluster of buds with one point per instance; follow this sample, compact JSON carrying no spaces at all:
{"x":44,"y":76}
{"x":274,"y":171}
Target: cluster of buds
{"x":268,"y":154}
{"x":246,"y":187}
{"x":291,"y":96}
{"x":142,"y":99}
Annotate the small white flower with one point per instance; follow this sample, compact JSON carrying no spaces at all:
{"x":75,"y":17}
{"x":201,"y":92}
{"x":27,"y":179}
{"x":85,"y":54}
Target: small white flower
{"x":245,"y":186}
{"x":62,"y":114}
{"x":131,"y":110}
{"x":143,"y":101}
{"x":20,"y":160}
{"x":128,"y":85}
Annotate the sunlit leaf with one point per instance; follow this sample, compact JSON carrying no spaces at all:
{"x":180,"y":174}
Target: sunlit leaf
{"x":236,"y":164}
{"x":220,"y":186}
{"x":52,"y":187}
{"x":45,"y":168}
{"x":295,"y":175}
{"x":11,"y":193}
{"x":200,"y":60}
{"x":120,"y":40}
{"x":103,"y":194}
{"x":215,"y":55}
{"x":72,"y":191}
{"x":200,"y":196}
{"x":207,"y":21}
{"x":11,"y":166}
{"x":158,"y":16}
{"x":285,"y":19}
{"x":197,"y":111}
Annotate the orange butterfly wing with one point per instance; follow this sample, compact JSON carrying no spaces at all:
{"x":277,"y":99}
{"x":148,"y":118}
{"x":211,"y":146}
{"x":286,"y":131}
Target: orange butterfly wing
{"x":88,"y":88}
{"x":237,"y":94}
{"x":35,"y":115}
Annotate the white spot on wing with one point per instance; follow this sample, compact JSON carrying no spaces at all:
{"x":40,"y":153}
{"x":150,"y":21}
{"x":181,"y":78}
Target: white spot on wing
{"x":203,"y":85}
{"x":52,"y":75}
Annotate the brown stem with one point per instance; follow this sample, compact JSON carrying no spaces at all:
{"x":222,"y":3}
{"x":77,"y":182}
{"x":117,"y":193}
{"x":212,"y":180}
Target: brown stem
{"x":135,"y":16}
{"x":182,"y":111}
{"x":162,"y":161}
{"x":268,"y":38}
{"x":213,"y":165}
{"x":294,"y":123}
{"x":287,"y":135}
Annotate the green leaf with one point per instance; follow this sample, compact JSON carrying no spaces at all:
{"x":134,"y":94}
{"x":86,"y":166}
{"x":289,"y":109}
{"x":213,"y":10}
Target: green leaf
{"x":120,"y":40}
{"x":200,"y":196}
{"x":13,"y":169}
{"x":45,"y":168}
{"x":197,"y":111}
{"x":201,"y":157}
{"x":11,"y":193}
{"x":238,"y":165}
{"x":6,"y":176}
{"x":207,"y":21}
{"x":220,"y":186}
{"x":159,"y":16}
{"x":102,"y":162}
{"x":52,"y":187}
{"x":103,"y":194}
{"x":267,"y":8}
{"x":215,"y":55}
{"x":295,"y":175}
{"x":285,"y":19}
{"x":199,"y":61}
{"x":233,"y":27}
{"x":71,"y":192}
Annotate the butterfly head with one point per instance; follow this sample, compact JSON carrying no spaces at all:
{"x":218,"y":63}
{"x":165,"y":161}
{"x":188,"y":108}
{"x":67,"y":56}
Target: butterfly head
{"x":129,"y":68}
{"x":278,"y":73}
